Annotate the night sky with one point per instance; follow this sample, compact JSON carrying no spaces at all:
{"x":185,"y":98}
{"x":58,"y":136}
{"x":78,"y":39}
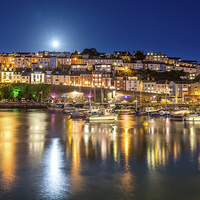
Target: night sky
{"x":172,"y":27}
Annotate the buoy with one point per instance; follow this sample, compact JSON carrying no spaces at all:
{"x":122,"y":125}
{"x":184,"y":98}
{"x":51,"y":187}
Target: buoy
{"x":145,"y":124}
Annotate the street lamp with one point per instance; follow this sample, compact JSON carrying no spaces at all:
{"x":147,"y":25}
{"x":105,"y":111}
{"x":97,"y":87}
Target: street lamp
{"x":89,"y":96}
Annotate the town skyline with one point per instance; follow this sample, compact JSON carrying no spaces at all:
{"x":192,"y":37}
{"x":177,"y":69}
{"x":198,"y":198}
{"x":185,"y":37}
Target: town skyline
{"x":111,"y":53}
{"x":170,"y":27}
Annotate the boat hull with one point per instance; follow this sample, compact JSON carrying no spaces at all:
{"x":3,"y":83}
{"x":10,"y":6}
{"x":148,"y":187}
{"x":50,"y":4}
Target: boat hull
{"x":102,"y":118}
{"x":56,"y":110}
{"x":177,"y":117}
{"x":192,"y":117}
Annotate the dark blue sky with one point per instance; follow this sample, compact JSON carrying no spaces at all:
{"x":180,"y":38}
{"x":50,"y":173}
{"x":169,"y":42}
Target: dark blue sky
{"x":172,"y":27}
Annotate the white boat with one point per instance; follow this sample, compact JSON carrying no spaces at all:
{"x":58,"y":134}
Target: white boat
{"x":102,"y":115}
{"x":179,"y":114}
{"x":192,"y":117}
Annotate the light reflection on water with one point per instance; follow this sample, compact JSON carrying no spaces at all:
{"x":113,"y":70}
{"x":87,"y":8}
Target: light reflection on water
{"x":53,"y":157}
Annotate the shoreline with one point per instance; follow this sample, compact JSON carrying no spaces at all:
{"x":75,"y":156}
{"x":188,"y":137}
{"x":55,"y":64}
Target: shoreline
{"x":24,"y":105}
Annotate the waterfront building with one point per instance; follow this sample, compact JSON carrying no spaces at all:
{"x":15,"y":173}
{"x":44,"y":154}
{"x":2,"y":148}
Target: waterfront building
{"x":37,"y":76}
{"x":75,"y":79}
{"x":162,"y":87}
{"x":195,"y":88}
{"x":7,"y":74}
{"x":120,"y":83}
{"x":149,"y":86}
{"x":97,"y":79}
{"x":48,"y":76}
{"x":17,"y":78}
{"x":178,"y":89}
{"x":132,"y":84}
{"x":86,"y":79}
{"x":60,"y":78}
{"x":106,"y":80}
{"x":26,"y":77}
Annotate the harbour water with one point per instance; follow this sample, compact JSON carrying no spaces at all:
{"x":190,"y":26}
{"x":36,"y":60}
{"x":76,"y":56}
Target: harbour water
{"x":49,"y":156}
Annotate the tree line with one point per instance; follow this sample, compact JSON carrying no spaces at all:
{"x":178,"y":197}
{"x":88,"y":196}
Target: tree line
{"x":23,"y":90}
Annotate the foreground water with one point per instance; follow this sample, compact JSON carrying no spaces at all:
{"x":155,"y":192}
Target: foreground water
{"x":48,"y":156}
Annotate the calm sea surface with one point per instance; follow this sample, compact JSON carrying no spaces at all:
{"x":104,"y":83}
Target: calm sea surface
{"x":49,"y":156}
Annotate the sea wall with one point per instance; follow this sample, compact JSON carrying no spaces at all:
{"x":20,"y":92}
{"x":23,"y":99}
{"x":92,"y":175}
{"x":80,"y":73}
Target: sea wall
{"x":23,"y":105}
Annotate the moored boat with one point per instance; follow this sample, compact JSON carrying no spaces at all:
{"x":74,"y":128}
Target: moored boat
{"x":78,"y":115}
{"x":148,"y":111}
{"x":102,"y":115}
{"x":57,"y":108}
{"x":161,"y":113}
{"x":192,"y":117}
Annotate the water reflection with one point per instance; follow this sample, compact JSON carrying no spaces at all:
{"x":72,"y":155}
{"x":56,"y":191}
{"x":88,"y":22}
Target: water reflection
{"x":8,"y":165}
{"x":74,"y":159}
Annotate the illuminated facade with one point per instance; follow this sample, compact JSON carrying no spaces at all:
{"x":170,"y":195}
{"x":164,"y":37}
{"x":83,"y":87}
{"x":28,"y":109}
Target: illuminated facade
{"x":86,"y":79}
{"x":149,"y":86}
{"x":195,"y":88}
{"x":103,"y":67}
{"x":97,"y":79}
{"x":156,"y":57}
{"x":162,"y":87}
{"x":178,"y":89}
{"x":132,"y":84}
{"x":106,"y":80}
{"x":7,"y":75}
{"x":120,"y":83}
{"x":37,"y":76}
{"x":60,"y":78}
{"x":75,"y":80}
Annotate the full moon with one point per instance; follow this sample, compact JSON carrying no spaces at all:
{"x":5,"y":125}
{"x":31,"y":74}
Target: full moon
{"x":55,"y":44}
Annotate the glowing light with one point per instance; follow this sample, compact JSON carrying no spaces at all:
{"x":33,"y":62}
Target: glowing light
{"x":55,"y":44}
{"x":89,"y":95}
{"x":125,"y":97}
{"x":154,"y":96}
{"x":53,"y":95}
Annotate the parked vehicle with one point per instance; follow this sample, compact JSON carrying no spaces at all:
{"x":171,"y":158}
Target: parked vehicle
{"x":23,"y":100}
